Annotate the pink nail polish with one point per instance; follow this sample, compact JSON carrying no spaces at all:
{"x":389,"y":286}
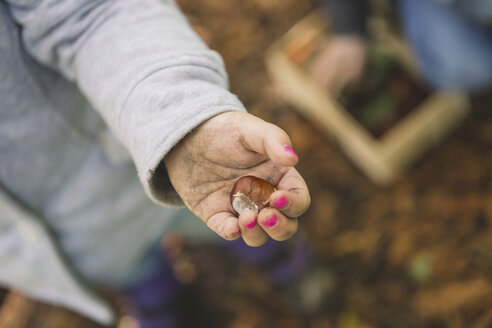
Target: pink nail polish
{"x":271,"y":221}
{"x":280,"y":202}
{"x":289,"y":149}
{"x":252,"y":224}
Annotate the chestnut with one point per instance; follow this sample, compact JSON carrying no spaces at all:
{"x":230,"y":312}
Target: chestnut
{"x":250,"y":193}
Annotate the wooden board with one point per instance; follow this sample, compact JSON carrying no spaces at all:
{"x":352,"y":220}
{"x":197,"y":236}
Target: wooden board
{"x":383,"y":159}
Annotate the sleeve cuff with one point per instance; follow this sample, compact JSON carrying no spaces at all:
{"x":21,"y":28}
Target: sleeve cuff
{"x":159,"y":117}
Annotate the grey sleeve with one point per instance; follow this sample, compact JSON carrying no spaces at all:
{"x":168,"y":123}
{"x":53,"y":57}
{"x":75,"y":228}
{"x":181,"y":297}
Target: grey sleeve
{"x":140,"y":65}
{"x":348,"y":16}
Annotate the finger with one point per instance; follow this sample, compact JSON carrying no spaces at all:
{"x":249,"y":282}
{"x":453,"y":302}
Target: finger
{"x":347,"y":76}
{"x":292,"y":196}
{"x":330,"y":78}
{"x":327,"y":69}
{"x":270,"y":140}
{"x":277,"y":225}
{"x":225,"y":225}
{"x":253,"y":235}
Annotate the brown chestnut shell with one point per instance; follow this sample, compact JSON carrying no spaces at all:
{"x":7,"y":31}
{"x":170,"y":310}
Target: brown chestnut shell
{"x":250,"y":192}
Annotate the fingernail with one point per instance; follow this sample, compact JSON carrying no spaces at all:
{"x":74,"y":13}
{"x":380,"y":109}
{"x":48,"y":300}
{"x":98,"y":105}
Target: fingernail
{"x":289,"y":149}
{"x":271,"y":221}
{"x":252,"y":224}
{"x":280,"y":202}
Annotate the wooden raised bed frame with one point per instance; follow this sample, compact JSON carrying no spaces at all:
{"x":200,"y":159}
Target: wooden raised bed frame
{"x":382,"y":159}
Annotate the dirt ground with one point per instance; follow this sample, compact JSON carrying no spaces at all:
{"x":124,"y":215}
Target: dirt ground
{"x":416,"y":254}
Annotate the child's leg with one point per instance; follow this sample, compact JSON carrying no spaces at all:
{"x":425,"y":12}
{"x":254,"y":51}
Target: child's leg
{"x":452,"y":49}
{"x":480,"y":10}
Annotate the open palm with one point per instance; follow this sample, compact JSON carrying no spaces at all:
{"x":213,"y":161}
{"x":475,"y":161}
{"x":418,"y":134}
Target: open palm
{"x":205,"y":165}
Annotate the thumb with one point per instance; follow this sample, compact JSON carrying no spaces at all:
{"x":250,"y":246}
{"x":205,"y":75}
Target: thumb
{"x":268,"y":139}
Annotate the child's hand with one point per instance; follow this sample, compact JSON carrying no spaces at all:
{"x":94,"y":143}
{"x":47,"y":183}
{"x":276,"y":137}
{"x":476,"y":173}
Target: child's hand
{"x":204,"y":166}
{"x":340,"y":63}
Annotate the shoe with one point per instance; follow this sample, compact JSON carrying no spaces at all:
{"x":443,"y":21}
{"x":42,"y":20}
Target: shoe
{"x":157,"y":299}
{"x":304,"y":285}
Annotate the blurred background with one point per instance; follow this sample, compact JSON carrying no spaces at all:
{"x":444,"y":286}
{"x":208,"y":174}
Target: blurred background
{"x":417,"y":253}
